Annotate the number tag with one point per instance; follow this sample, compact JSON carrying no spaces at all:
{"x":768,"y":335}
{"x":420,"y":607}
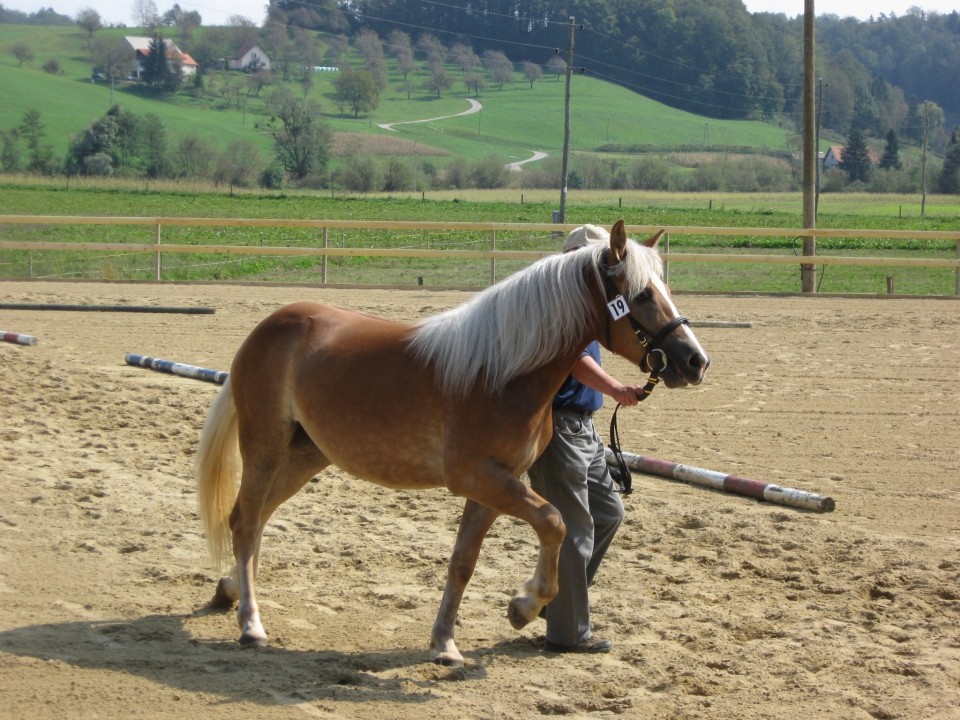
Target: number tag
{"x":618,"y":307}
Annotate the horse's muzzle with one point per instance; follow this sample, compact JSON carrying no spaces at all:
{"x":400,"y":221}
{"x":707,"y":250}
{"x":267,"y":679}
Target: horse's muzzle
{"x":688,"y":369}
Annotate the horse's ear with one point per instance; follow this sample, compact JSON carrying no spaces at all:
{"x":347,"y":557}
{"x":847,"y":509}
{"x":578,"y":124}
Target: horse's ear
{"x":651,"y":242}
{"x":618,"y":242}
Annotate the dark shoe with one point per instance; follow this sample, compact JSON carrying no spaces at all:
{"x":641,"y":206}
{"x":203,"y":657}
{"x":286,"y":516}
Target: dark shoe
{"x":590,"y":646}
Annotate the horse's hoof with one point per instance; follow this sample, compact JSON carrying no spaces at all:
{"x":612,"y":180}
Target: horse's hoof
{"x":516,"y":617}
{"x":224,"y":597}
{"x":449,"y":661}
{"x":248,"y":640}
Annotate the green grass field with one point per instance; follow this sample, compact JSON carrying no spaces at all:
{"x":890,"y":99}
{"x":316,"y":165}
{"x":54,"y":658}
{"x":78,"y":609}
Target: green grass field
{"x":114,"y":199}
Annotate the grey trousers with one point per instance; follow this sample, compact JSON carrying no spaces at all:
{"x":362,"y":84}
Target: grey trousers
{"x":572,"y":475}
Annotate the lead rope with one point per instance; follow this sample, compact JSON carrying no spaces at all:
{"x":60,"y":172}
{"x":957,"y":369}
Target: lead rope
{"x":622,"y":477}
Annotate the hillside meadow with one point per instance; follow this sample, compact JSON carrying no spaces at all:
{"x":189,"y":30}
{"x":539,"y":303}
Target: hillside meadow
{"x":513,"y":122}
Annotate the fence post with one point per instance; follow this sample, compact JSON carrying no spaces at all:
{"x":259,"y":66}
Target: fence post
{"x":956,"y":273}
{"x":493,"y":261}
{"x":666,"y":263}
{"x":323,"y":261}
{"x":157,"y":263}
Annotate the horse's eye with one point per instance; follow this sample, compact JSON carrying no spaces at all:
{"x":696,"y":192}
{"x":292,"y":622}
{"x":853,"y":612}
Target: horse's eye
{"x":643,"y":296}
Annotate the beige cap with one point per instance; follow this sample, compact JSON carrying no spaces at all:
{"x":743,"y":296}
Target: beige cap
{"x":585,"y":235}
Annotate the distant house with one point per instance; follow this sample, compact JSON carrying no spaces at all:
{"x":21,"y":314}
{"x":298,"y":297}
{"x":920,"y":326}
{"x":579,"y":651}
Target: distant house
{"x":834,"y":156}
{"x":251,"y":57}
{"x":141,"y":49}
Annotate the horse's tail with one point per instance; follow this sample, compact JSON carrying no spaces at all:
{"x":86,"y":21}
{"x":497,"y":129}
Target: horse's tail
{"x":218,"y":477}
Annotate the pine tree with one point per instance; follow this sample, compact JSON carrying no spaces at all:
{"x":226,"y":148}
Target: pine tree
{"x":156,"y":69}
{"x":856,"y":157}
{"x":950,"y":174}
{"x":891,"y":153}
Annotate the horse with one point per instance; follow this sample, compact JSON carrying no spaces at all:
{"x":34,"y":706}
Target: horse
{"x":460,"y":400}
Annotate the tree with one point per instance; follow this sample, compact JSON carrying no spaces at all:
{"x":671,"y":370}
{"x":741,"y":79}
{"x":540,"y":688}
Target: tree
{"x":475,"y":83}
{"x":891,"y":153}
{"x":9,"y":151}
{"x":306,"y":82}
{"x":238,"y":166}
{"x":89,"y":20}
{"x":194,"y":157}
{"x":856,"y":157}
{"x":301,"y":142}
{"x":145,"y":12}
{"x":112,"y":59}
{"x":499,"y":67}
{"x":357,"y":90}
{"x":32,"y":131}
{"x":557,"y":66}
{"x":949,"y":180}
{"x":156,"y":67}
{"x":464,"y":57}
{"x":98,"y":140}
{"x":531,"y":71}
{"x":438,"y":80}
{"x":22,"y":52}
{"x":154,"y":149}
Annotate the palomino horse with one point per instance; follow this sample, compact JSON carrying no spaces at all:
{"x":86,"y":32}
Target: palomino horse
{"x":461,"y":400}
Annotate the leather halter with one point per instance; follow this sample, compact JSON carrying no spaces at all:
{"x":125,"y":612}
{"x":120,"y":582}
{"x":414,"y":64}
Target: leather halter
{"x":651,"y":346}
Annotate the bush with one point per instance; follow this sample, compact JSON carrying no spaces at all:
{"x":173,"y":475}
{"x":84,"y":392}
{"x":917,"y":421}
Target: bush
{"x":272,"y":177}
{"x":100,"y":164}
{"x":398,"y":175}
{"x":361,"y":174}
{"x":52,"y":66}
{"x":489,"y":173}
{"x":650,"y":173}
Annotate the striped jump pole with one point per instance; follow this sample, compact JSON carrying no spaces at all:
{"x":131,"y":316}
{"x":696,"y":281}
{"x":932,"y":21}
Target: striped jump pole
{"x":728,"y":483}
{"x":17,"y":338}
{"x":108,"y":308}
{"x":176,"y":368}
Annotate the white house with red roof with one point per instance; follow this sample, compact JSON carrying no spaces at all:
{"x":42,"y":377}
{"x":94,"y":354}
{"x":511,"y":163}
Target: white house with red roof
{"x":141,"y":48}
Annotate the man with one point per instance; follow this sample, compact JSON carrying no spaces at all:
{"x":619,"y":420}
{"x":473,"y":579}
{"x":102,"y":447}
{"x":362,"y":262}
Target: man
{"x":572,"y":475}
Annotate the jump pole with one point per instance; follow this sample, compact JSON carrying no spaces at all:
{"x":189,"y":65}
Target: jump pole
{"x":176,"y":368}
{"x":728,"y":483}
{"x":17,"y":338}
{"x":109,"y":308}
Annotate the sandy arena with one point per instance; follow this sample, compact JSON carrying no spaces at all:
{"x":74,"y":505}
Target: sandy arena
{"x":719,"y":606}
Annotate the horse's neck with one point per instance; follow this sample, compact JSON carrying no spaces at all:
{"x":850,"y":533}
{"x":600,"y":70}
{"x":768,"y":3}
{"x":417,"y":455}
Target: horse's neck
{"x":542,"y":384}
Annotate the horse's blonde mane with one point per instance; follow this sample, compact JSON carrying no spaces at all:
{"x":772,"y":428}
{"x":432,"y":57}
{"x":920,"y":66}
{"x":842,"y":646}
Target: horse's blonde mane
{"x":524,"y":321}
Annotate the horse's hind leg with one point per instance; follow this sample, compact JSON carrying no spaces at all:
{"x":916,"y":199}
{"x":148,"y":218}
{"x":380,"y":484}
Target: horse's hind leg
{"x":474,"y":524}
{"x":268,"y":480}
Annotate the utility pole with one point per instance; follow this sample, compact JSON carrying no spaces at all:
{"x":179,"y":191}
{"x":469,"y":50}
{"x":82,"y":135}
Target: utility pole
{"x":816,"y":203}
{"x":566,"y":128}
{"x":808,"y":272}
{"x":923,"y":162}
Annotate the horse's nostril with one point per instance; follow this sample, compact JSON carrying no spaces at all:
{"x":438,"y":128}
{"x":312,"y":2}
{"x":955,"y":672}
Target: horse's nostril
{"x":699,"y":362}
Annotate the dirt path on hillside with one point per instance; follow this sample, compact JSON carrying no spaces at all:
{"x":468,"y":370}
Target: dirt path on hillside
{"x":719,"y":606}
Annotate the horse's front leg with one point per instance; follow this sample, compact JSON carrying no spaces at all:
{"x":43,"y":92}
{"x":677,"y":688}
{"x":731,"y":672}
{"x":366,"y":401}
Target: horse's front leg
{"x":539,"y":590}
{"x":474,"y":524}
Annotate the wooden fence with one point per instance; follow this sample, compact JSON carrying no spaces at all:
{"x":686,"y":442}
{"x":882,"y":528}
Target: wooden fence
{"x":158,"y":248}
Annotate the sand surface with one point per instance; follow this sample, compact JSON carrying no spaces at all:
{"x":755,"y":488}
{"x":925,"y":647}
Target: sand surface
{"x":719,"y":606}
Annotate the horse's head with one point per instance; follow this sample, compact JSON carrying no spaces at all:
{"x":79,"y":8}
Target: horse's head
{"x":642,"y":323}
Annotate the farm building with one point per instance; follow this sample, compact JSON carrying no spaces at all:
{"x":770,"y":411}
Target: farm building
{"x":251,"y":57}
{"x":834,"y":156}
{"x":141,"y":48}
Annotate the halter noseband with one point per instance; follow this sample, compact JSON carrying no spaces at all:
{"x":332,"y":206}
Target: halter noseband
{"x":653,"y":344}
